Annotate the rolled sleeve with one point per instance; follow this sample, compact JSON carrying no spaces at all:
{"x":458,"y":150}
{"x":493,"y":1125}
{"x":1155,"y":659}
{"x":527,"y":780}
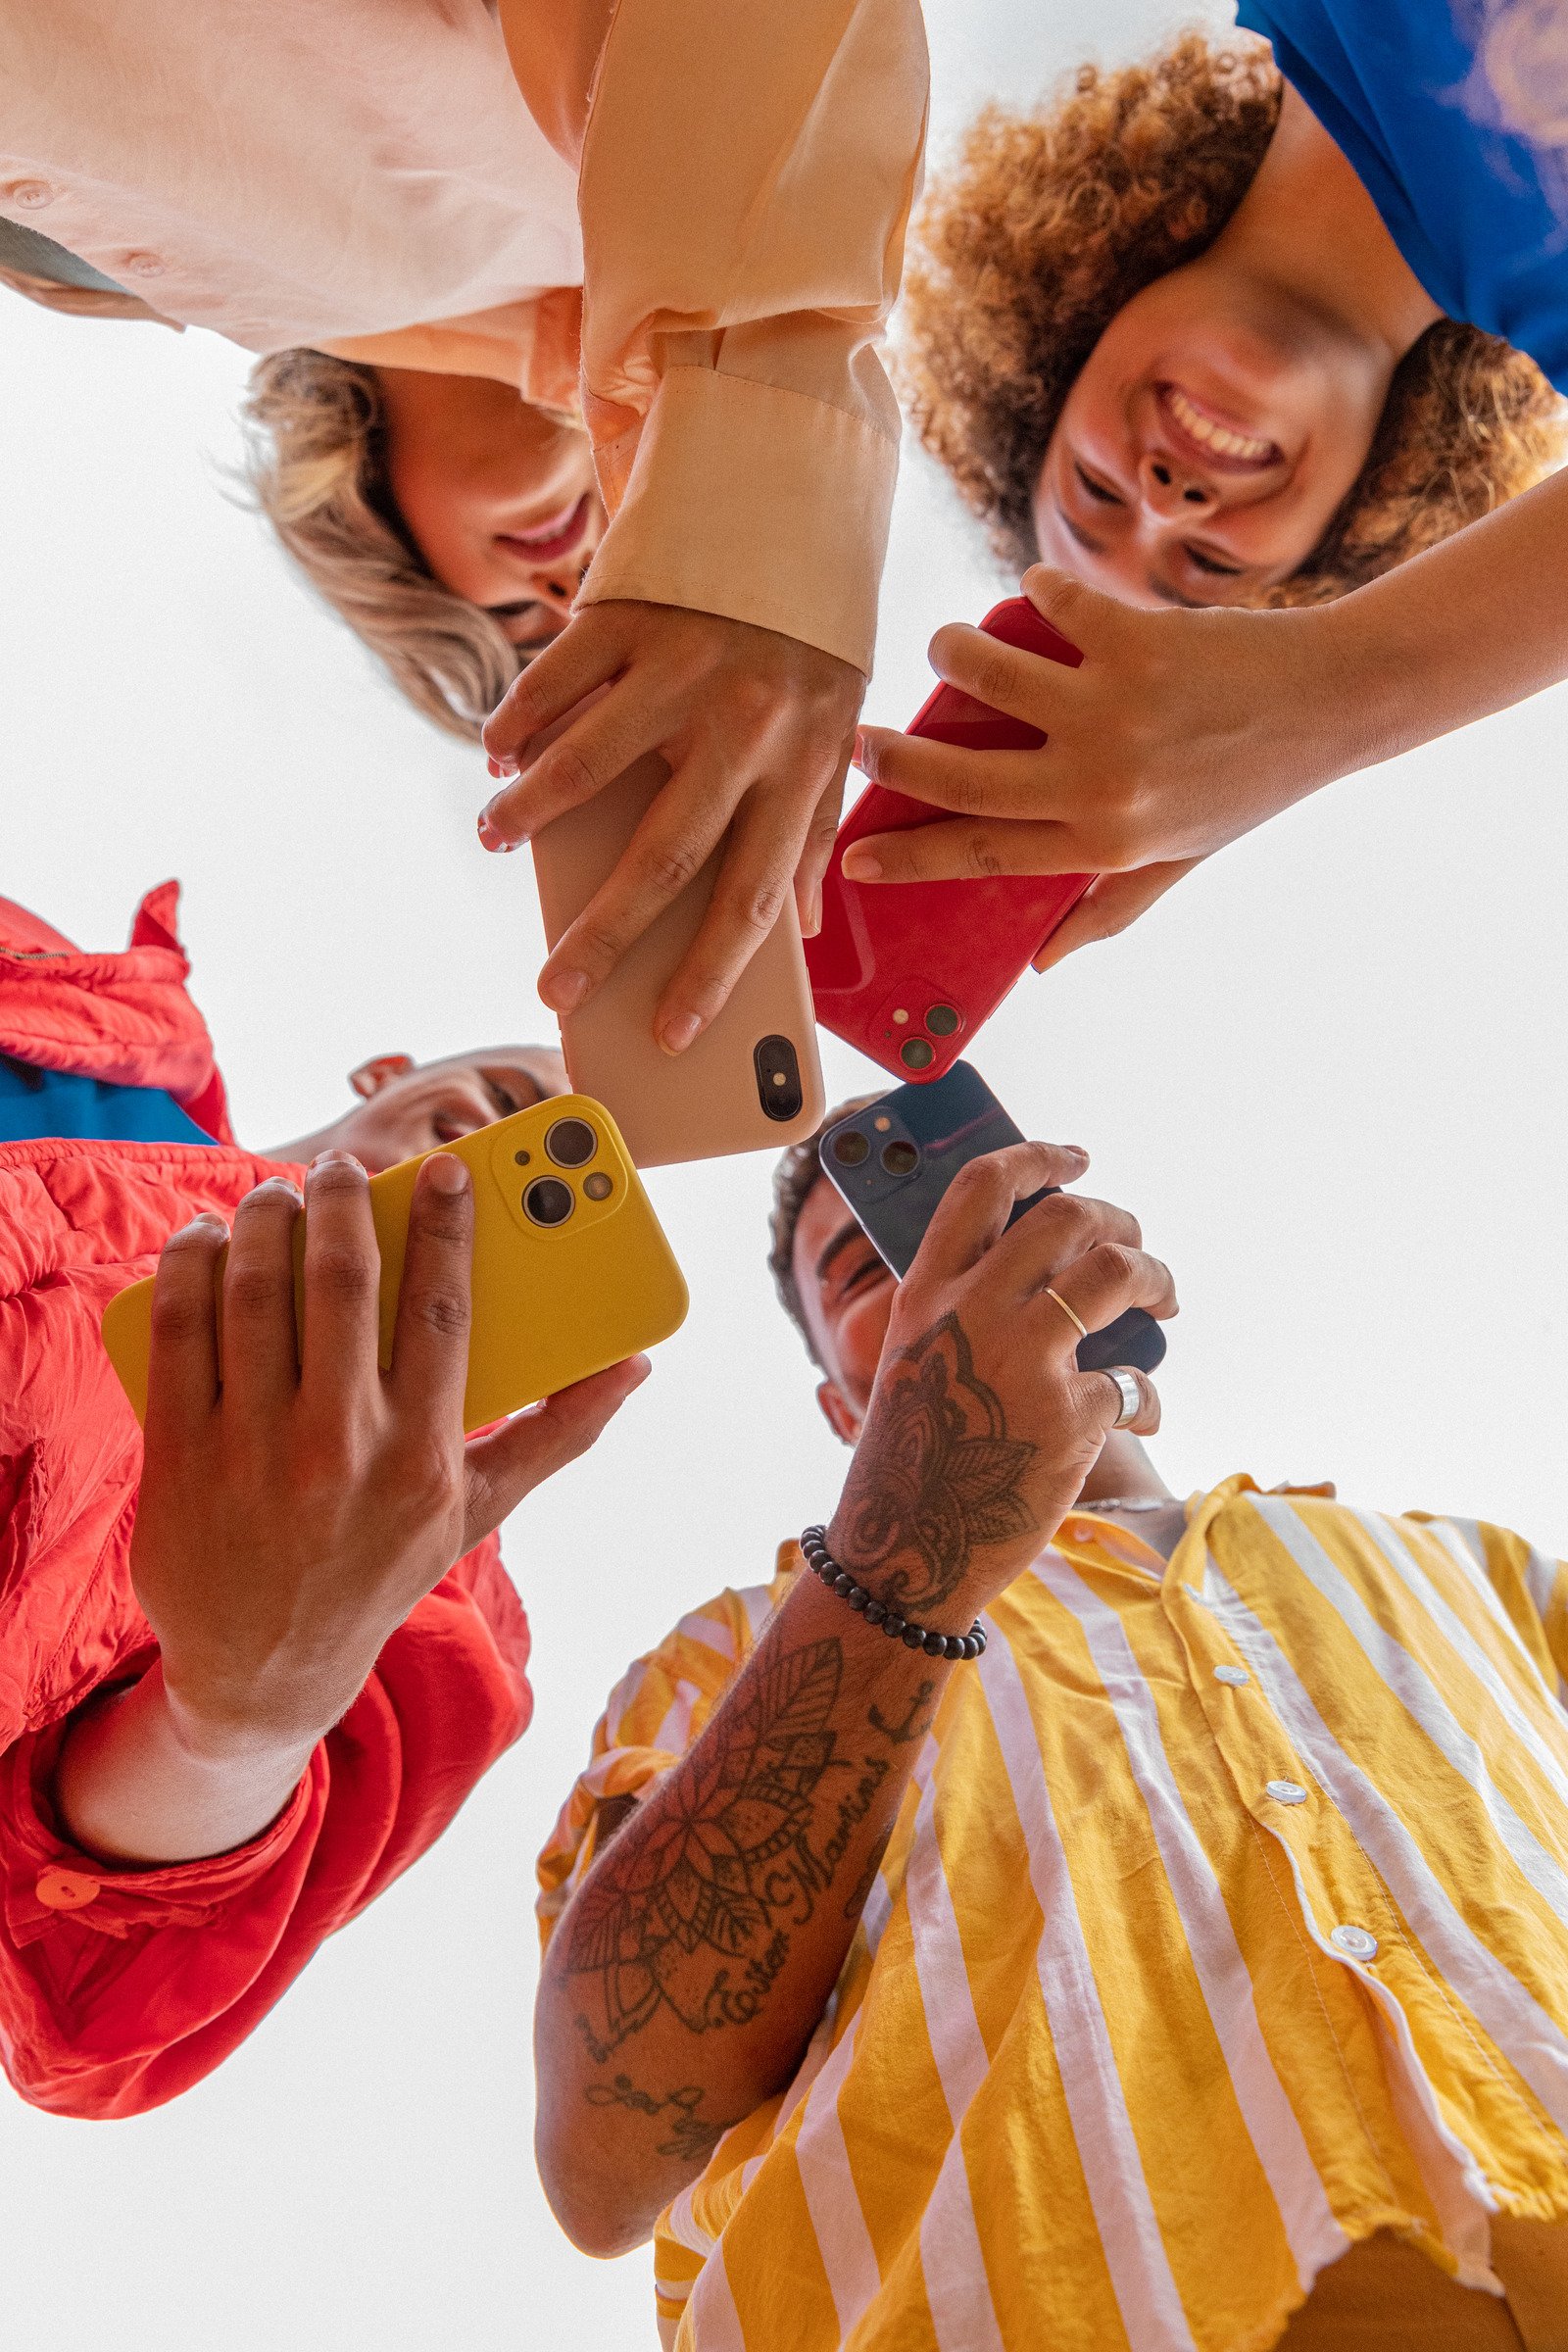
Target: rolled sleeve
{"x":121,"y":1987}
{"x":745,"y":187}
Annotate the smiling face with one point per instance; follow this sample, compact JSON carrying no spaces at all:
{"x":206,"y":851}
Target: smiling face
{"x":499,"y":498}
{"x":1208,"y":442}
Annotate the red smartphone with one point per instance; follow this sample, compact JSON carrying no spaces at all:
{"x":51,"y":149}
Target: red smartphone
{"x":908,"y":971}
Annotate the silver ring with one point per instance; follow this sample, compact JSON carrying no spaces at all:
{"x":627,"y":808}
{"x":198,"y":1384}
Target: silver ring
{"x":1131,"y":1394}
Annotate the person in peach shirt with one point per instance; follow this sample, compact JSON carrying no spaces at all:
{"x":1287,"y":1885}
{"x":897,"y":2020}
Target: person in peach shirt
{"x":416,"y":191}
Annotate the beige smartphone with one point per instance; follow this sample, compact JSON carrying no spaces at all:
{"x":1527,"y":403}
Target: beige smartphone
{"x":752,"y":1081}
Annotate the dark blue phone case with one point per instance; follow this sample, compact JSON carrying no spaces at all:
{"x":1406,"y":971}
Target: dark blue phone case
{"x":946,"y":1124}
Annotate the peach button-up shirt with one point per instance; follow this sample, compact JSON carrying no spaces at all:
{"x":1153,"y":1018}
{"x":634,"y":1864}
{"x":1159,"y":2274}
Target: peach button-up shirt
{"x":730,"y":186}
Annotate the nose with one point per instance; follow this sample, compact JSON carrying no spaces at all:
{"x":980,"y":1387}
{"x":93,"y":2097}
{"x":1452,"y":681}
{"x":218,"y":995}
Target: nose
{"x":1169,"y":489}
{"x":558,"y":588}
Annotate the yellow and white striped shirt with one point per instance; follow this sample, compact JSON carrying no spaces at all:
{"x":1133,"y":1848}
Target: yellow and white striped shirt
{"x":1225,"y":1922}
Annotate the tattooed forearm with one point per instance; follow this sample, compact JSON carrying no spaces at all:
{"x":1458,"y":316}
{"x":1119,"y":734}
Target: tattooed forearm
{"x":692,"y":2137}
{"x":935,"y":1477}
{"x":695,"y":1914}
{"x":916,"y":1723}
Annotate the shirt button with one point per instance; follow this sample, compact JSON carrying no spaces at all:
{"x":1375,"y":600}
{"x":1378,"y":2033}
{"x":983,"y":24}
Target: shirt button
{"x":1234,"y":1676}
{"x":1354,"y":1941}
{"x":65,"y":1889}
{"x":1286,"y":1792}
{"x":32,"y":194}
{"x":143,"y":265}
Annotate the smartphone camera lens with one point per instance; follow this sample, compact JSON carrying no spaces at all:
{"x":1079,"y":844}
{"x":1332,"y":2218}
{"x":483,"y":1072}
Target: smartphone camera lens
{"x":548,"y":1201}
{"x":943,"y":1020}
{"x":900,"y":1158}
{"x":850,"y":1148}
{"x":917,"y":1055}
{"x":571,"y":1144}
{"x":598,"y":1186}
{"x":778,"y":1078}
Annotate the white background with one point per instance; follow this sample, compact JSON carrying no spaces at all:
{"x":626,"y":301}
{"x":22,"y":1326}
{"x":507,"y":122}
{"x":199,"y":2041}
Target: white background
{"x":1327,"y":1072}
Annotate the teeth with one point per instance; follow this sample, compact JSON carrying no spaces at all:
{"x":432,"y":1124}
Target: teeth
{"x":1217,"y":437}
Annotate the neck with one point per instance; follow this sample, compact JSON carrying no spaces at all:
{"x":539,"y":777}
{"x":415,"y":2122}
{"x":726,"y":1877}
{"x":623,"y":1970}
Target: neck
{"x":1309,"y":233}
{"x":1125,"y":1473}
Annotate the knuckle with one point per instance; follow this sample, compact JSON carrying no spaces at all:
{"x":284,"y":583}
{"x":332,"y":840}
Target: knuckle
{"x":980,"y":858}
{"x":441,"y":1310}
{"x":180,"y":1315}
{"x":254,"y":1290}
{"x":1114,"y":1262}
{"x":565,"y":772}
{"x":342,"y":1272}
{"x":670,"y":866}
{"x":595,"y":943}
{"x":756,"y":909}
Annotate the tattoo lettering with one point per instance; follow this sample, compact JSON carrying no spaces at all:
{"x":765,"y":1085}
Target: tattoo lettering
{"x":916,"y":1723}
{"x":868,"y":1878}
{"x":692,"y":2137}
{"x":936,"y":1477}
{"x":725,"y":1865}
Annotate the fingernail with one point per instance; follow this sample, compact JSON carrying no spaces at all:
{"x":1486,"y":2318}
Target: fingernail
{"x":494,"y":765}
{"x":280,"y":1184}
{"x":861,"y":866}
{"x":860,"y":751}
{"x":208,"y":1221}
{"x":678,"y":1031}
{"x":1076,"y":1152}
{"x":490,"y":839}
{"x":814,"y":915}
{"x":337,"y":1159}
{"x":639,"y":1367}
{"x":507,"y":765}
{"x":447,"y":1173}
{"x":564,"y":992}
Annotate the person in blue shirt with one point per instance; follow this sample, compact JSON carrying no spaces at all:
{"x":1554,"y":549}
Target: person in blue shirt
{"x":1296,"y":236}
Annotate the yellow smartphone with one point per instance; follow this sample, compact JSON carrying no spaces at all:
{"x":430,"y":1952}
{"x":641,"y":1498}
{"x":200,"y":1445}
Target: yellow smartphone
{"x":572,"y":1270}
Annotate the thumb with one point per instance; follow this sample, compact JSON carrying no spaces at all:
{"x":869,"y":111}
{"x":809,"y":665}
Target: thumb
{"x":1084,"y":616}
{"x":506,"y":1463}
{"x":1109,"y":903}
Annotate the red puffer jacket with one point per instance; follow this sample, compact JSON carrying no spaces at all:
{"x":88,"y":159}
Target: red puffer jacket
{"x":118,"y":1989}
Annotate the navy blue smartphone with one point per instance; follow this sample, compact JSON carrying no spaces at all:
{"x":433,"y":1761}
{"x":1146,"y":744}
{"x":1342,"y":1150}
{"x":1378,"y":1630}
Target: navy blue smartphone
{"x":893,"y":1162}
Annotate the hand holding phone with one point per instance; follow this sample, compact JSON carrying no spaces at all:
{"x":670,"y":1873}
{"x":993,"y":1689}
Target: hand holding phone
{"x":572,"y":1270}
{"x":892,"y":1162}
{"x":908,"y":971}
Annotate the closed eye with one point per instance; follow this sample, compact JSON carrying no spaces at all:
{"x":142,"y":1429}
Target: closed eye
{"x":868,"y":1269}
{"x":1201,"y":562}
{"x":1097,"y":489}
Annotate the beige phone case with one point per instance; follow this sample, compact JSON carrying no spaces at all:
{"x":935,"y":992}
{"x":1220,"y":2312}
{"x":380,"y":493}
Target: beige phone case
{"x":709,"y":1100}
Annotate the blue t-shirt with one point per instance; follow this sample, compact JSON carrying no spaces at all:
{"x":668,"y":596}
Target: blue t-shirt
{"x":1480,"y":215}
{"x":36,"y":1103}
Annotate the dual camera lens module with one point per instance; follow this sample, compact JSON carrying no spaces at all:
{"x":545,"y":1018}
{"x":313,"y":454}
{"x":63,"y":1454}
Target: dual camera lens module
{"x":852,"y":1149}
{"x":941,"y":1020}
{"x":571,"y":1144}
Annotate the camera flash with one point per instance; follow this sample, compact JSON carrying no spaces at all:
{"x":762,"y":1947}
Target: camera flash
{"x":901,"y":1014}
{"x":881,"y":1125}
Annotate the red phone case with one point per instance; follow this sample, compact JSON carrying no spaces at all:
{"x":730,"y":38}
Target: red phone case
{"x":892,"y":954}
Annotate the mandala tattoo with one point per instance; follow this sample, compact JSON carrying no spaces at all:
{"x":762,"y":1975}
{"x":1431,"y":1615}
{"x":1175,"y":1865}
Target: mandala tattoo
{"x":940,"y":1477}
{"x":699,"y":1912}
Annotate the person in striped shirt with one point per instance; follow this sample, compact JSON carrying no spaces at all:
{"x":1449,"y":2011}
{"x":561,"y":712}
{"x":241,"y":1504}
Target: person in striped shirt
{"x":1188,"y":1971}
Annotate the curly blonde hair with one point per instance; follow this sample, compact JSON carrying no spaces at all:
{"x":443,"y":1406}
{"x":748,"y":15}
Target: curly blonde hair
{"x":1053,"y":220}
{"x":316,"y":462}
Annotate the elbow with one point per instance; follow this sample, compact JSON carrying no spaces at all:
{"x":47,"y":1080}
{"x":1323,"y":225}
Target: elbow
{"x":589,"y":2195}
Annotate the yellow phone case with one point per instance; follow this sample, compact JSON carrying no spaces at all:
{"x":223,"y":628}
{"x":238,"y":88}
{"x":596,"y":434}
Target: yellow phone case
{"x":551,"y":1301}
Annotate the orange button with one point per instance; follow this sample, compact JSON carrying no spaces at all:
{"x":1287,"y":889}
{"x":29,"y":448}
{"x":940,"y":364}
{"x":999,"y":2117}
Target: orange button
{"x":66,"y":1890}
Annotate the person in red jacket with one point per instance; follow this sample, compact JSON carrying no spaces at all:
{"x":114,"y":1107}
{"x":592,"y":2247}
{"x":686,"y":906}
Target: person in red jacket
{"x":246,"y":1680}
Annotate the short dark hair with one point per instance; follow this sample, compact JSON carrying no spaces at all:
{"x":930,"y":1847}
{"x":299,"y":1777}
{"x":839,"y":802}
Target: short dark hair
{"x":794,"y":1179}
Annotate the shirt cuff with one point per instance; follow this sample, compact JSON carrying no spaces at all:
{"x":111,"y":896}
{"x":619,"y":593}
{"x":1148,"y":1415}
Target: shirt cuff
{"x":753,"y":502}
{"x":46,"y":1876}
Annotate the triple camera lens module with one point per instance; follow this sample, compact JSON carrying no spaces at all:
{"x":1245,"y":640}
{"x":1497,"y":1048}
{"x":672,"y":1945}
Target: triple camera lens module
{"x":548,"y":1201}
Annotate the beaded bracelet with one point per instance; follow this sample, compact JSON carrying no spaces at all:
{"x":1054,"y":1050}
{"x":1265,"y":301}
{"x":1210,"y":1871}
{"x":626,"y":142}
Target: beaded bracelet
{"x":823,"y":1564}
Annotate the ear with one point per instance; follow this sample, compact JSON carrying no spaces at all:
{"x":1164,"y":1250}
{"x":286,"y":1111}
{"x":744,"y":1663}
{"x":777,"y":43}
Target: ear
{"x":838,"y":1412}
{"x":371,"y":1076}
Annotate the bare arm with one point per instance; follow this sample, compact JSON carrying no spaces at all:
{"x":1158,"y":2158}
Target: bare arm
{"x":1183,"y":730}
{"x":693,"y":1963}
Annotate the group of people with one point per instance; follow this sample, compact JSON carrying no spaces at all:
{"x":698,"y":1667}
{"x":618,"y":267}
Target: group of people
{"x":1165,"y":1942}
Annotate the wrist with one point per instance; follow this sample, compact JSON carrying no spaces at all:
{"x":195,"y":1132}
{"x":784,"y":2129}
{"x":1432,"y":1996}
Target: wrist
{"x":887,"y":1601}
{"x":219,"y":1724}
